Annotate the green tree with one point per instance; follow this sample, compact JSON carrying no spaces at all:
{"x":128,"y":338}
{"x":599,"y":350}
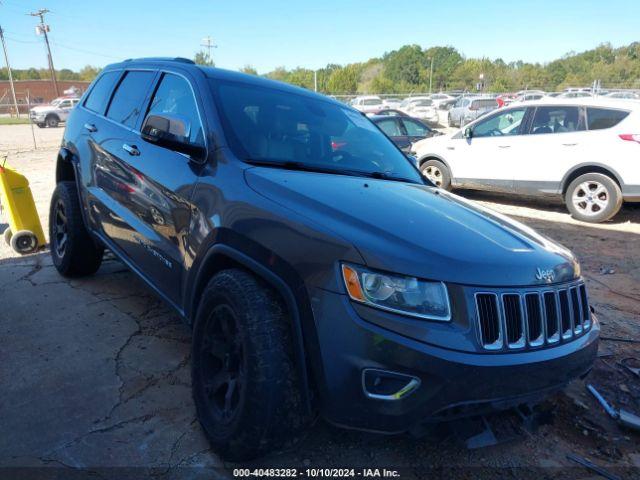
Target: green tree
{"x":344,"y":80}
{"x":202,"y":58}
{"x":249,"y":69}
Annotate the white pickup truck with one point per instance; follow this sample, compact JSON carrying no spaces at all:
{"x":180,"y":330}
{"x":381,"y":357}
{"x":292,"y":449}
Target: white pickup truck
{"x":52,"y":114}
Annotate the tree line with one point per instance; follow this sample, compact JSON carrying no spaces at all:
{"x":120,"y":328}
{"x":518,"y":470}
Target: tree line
{"x":409,"y":69}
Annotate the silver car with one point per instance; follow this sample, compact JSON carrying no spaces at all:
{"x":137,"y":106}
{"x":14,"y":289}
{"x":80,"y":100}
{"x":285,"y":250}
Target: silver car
{"x":467,"y":109}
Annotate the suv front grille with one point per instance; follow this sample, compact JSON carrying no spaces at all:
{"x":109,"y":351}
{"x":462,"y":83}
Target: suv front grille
{"x":532,"y":317}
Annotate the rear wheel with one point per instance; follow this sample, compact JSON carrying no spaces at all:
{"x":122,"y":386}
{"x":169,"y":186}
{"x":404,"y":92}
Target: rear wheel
{"x":73,"y":250}
{"x":244,"y":380}
{"x":449,"y":120}
{"x":437,"y":173}
{"x":593,"y":197}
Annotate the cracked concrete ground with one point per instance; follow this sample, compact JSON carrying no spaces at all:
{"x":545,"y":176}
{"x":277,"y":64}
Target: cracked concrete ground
{"x":94,"y":372}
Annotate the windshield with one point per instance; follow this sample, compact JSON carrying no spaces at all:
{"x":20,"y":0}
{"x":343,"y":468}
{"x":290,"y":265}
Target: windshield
{"x":272,"y":126}
{"x":56,"y":102}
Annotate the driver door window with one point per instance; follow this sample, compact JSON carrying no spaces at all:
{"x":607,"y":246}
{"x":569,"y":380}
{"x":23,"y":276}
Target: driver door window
{"x":503,"y":124}
{"x":174,"y":97}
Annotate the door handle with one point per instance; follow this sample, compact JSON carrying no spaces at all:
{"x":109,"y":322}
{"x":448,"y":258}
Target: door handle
{"x":569,"y":144}
{"x":91,"y":127}
{"x":504,"y":146}
{"x":131,"y":149}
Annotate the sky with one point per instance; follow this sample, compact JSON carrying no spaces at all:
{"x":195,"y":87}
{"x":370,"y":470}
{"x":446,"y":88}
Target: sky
{"x":271,"y":33}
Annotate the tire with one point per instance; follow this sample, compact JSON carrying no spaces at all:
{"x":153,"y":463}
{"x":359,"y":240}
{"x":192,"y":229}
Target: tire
{"x":436,"y":172}
{"x":7,"y":236}
{"x":73,"y":250}
{"x":449,"y":121}
{"x":242,"y":350}
{"x":593,"y":198}
{"x":52,"y":121}
{"x":24,"y":242}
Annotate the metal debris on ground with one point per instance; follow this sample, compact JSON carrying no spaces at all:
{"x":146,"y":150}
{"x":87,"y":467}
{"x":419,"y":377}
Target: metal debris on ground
{"x":623,"y":417}
{"x":591,"y":466}
{"x":619,"y":339}
{"x":625,"y":364}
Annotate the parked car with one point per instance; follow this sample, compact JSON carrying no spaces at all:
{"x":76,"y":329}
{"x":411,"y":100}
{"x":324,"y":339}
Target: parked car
{"x":529,"y":95}
{"x":391,"y":112}
{"x":440,"y":99}
{"x":575,"y":94}
{"x":316,"y":281}
{"x":467,"y":109}
{"x":424,"y":110}
{"x":53,"y":114}
{"x":403,"y":130}
{"x":407,"y":103}
{"x":368,"y":104}
{"x":391,"y":103}
{"x":505,"y":99}
{"x":584,"y":151}
{"x":624,"y":95}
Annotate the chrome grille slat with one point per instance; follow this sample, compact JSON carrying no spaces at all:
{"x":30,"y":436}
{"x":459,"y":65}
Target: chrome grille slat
{"x":489,"y":320}
{"x":531,"y":317}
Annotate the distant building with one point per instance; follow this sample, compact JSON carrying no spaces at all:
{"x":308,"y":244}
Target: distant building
{"x":38,"y":91}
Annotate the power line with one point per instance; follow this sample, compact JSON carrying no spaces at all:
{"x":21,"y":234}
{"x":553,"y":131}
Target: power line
{"x":208,"y":42}
{"x":43,"y":28}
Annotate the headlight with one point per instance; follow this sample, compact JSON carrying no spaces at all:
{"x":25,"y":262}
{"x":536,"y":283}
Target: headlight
{"x":397,"y":293}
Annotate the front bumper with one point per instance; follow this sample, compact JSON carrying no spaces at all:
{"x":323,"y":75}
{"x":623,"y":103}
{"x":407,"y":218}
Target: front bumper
{"x":452,"y":383}
{"x":37,"y":117}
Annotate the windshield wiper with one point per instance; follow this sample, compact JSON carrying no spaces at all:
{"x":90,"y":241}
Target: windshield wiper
{"x":306,"y":167}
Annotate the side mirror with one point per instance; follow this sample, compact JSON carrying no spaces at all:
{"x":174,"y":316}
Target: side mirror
{"x":468,"y":132}
{"x":172,"y":132}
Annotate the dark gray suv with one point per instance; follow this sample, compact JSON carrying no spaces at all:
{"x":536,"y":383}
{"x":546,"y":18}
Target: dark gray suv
{"x":320,"y":272}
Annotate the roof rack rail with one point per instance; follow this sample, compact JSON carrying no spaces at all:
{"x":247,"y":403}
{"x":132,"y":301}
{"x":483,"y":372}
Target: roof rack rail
{"x":161,"y":59}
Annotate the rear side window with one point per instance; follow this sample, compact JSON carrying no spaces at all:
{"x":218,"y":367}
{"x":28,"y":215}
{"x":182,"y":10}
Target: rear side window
{"x":599,"y":118}
{"x":556,"y":120}
{"x":175,"y":97}
{"x":390,"y":127}
{"x":486,"y":103}
{"x":127,"y":101}
{"x":99,"y":95}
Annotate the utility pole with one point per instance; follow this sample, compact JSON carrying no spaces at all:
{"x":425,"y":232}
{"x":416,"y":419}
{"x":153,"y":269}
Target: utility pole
{"x":43,"y":29}
{"x":431,"y":75}
{"x":208,"y":43}
{"x":6,"y":58}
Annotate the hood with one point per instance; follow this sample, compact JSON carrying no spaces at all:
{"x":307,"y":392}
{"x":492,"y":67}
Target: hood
{"x":42,"y":108}
{"x":431,"y":142}
{"x":418,"y":230}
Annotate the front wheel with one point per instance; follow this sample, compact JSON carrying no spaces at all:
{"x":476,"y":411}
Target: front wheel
{"x":52,"y":121}
{"x":73,"y":251}
{"x":244,"y":380}
{"x":593,"y":197}
{"x":437,"y":173}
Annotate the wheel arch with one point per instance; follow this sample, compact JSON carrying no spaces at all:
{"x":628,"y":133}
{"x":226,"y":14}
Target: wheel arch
{"x":590,"y":167}
{"x":223,"y":256}
{"x":52,"y":115}
{"x":65,"y":170}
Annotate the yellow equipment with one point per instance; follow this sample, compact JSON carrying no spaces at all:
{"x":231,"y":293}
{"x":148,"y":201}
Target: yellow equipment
{"x":25,"y":233}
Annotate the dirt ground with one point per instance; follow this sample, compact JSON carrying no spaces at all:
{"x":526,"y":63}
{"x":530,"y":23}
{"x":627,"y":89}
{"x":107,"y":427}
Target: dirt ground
{"x":94,"y":373}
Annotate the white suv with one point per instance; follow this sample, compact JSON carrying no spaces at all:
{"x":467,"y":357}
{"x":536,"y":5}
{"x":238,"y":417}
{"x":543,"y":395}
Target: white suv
{"x":585,"y":150}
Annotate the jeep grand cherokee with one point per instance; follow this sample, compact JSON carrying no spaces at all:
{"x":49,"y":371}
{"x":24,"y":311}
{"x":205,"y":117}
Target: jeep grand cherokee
{"x":316,"y":278}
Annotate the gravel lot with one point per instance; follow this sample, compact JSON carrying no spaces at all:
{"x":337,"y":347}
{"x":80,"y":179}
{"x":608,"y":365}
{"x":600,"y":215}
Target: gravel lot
{"x":94,"y":373}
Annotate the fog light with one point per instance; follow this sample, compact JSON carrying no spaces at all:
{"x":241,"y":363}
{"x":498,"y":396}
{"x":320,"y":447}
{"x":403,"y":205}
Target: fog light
{"x":385,"y":385}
